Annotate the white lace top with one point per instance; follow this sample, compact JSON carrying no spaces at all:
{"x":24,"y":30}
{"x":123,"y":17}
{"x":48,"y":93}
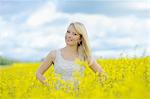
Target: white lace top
{"x":65,"y":67}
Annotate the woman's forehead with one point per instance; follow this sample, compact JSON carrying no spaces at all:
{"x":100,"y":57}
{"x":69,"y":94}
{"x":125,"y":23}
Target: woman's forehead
{"x":72,"y":29}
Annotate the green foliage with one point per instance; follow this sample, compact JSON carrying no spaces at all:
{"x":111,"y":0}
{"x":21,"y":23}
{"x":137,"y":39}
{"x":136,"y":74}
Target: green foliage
{"x":5,"y":61}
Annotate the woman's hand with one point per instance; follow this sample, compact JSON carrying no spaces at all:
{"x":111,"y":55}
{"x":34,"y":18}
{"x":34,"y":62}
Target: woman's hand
{"x":46,"y":84}
{"x":98,"y":69}
{"x":48,"y":61}
{"x":103,"y":76}
{"x":42,"y":79}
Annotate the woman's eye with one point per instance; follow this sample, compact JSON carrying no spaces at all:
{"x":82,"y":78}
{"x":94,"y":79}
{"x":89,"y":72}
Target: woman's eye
{"x":68,"y":31}
{"x":74,"y":34}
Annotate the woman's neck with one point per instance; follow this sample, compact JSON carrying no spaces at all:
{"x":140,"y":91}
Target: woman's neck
{"x":71,"y":49}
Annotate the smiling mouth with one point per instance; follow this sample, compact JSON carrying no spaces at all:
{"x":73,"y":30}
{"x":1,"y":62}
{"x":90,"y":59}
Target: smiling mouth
{"x":69,"y":40}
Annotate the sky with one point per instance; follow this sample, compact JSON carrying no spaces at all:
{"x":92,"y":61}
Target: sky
{"x":30,"y":29}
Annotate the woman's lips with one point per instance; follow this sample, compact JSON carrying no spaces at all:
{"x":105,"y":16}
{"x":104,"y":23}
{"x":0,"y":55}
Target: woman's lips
{"x":69,"y":40}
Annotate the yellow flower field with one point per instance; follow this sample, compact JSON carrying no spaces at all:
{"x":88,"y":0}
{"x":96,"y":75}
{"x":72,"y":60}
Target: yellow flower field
{"x":127,"y":79}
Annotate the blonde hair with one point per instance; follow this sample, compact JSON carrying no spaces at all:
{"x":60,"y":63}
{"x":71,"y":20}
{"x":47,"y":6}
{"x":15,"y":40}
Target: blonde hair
{"x":83,"y":47}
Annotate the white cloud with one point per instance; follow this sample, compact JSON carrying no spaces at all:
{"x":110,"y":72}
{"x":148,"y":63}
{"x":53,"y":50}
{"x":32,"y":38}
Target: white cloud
{"x":46,"y":41}
{"x":145,"y":5}
{"x":44,"y":14}
{"x":25,"y":53}
{"x":136,"y":52}
{"x":25,"y":39}
{"x":101,"y":26}
{"x":123,"y":32}
{"x":7,"y":35}
{"x":105,"y":54}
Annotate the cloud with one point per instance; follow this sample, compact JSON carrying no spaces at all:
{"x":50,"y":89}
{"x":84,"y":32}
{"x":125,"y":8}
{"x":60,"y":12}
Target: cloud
{"x":113,"y":8}
{"x":140,"y":52}
{"x":115,"y":34}
{"x":44,"y":14}
{"x":145,"y":5}
{"x":44,"y":30}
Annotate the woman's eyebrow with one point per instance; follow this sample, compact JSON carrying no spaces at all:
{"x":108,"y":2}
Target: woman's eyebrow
{"x":72,"y":32}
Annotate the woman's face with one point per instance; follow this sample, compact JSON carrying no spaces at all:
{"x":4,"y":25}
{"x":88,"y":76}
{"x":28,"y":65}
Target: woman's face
{"x":72,"y":37}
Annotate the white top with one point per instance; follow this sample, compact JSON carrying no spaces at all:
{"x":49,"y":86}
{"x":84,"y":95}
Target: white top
{"x":65,"y":67}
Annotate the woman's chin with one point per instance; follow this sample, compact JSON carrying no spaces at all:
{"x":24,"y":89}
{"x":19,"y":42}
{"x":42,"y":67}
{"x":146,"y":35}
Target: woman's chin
{"x":69,"y":44}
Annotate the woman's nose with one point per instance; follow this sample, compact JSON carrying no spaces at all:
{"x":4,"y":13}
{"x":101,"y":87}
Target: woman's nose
{"x":69,"y":35}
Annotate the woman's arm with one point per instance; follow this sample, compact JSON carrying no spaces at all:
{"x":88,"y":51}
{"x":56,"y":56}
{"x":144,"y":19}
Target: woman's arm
{"x":97,"y":68}
{"x":48,"y":61}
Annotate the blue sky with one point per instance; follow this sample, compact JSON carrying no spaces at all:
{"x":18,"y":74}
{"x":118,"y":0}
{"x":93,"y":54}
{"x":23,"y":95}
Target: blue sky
{"x":29,"y":29}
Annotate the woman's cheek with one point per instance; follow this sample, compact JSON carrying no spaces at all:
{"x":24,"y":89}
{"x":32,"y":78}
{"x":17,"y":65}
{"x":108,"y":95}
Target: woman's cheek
{"x":75,"y":41}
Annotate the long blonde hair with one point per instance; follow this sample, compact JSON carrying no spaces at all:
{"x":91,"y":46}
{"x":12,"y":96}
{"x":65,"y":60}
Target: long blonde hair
{"x":83,"y":47}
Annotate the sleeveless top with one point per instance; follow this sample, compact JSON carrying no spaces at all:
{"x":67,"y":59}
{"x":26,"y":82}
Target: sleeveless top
{"x":66,"y":67}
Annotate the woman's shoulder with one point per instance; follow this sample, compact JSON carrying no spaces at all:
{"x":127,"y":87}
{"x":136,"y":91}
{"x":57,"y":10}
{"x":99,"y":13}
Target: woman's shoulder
{"x":53,"y":53}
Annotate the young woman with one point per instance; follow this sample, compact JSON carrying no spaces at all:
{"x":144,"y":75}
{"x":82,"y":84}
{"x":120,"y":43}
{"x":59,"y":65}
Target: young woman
{"x":77,"y":46}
